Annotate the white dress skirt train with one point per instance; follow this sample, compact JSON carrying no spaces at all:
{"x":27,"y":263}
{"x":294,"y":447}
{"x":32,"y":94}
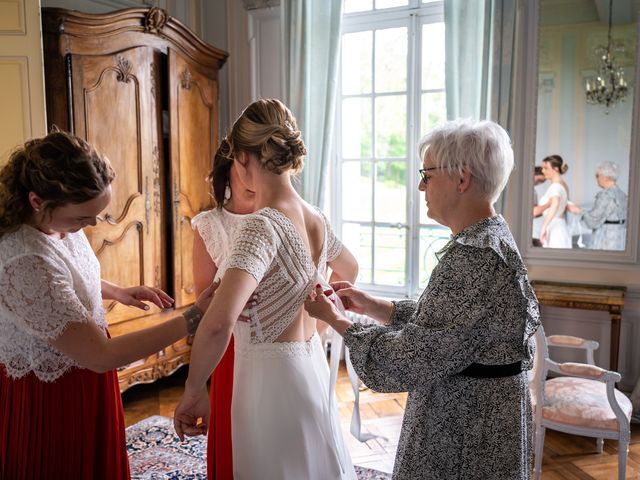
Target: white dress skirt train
{"x":284,"y":426}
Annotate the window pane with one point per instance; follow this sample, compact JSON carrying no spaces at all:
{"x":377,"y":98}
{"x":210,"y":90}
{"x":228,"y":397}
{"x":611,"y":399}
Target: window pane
{"x":390,"y":254}
{"x":356,"y":128}
{"x":391,"y":3}
{"x":423,"y":208}
{"x":356,"y":191}
{"x":357,"y":238}
{"x":391,"y":60}
{"x":432,"y":56}
{"x":391,"y":126}
{"x":356,"y":62}
{"x":391,"y":192}
{"x":433,"y":111}
{"x":351,"y":6}
{"x":433,"y":238}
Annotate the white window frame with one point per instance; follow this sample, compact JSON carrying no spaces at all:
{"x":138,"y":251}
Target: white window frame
{"x":413,"y":17}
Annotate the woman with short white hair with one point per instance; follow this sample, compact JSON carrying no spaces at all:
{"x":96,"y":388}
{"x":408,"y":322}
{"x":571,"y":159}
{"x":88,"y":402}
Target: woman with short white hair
{"x":461,"y":350}
{"x":608,"y":216}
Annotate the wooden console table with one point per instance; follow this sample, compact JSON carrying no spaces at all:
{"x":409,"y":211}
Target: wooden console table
{"x":587,"y":297}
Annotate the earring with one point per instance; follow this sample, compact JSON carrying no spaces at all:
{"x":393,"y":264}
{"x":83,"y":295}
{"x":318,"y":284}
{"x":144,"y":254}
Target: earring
{"x":227,"y":192}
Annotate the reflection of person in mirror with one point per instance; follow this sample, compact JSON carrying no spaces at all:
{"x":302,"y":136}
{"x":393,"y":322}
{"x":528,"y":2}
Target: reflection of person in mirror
{"x":608,"y":216}
{"x":553,"y":205}
{"x":538,"y":179}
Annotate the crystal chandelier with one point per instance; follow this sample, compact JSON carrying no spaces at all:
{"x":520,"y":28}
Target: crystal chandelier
{"x":609,"y":87}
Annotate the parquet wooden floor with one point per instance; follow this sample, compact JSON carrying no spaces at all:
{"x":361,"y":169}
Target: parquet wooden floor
{"x":565,"y":456}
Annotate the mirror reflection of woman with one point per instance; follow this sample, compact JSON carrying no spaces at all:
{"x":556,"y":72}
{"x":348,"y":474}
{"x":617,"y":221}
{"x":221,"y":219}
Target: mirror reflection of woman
{"x":607,"y":218}
{"x":553,"y":205}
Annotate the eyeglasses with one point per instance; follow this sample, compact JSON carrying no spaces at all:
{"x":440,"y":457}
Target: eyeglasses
{"x":423,"y":173}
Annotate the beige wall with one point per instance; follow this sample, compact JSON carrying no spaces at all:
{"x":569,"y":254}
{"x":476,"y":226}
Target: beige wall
{"x":22,"y":104}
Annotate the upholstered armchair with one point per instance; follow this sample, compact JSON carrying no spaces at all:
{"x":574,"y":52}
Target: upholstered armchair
{"x":582,"y":400}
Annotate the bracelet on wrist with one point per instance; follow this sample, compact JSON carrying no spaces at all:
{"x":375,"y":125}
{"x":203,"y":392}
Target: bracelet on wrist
{"x":192,"y":317}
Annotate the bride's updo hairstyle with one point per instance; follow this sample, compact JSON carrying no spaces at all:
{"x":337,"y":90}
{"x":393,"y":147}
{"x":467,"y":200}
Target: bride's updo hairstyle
{"x":556,"y":163}
{"x":268,"y":129}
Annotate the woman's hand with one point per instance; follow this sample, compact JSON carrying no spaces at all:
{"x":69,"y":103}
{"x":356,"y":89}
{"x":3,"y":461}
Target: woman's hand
{"x":192,"y":414}
{"x":319,"y":306}
{"x":543,"y":235}
{"x":136,"y":296}
{"x":353,"y":299}
{"x":204,"y":299}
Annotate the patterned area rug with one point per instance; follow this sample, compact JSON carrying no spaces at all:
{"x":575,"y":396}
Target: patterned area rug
{"x":156,"y":453}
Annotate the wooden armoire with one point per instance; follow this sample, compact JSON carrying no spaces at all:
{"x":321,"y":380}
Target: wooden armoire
{"x":143,"y":89}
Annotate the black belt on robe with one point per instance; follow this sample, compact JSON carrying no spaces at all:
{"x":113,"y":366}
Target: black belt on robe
{"x":614,"y":222}
{"x":477,"y":370}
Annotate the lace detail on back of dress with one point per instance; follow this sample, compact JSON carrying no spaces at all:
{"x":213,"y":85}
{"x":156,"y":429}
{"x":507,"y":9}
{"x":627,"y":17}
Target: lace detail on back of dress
{"x":269,"y":247}
{"x":44,"y":284}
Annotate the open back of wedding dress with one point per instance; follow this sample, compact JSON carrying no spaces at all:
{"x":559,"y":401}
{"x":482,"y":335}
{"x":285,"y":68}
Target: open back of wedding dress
{"x":284,"y":426}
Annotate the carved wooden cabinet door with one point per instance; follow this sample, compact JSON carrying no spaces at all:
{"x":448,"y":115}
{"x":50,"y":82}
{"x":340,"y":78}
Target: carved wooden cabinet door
{"x":194,"y":125}
{"x":142,"y":88}
{"x":114,"y":105}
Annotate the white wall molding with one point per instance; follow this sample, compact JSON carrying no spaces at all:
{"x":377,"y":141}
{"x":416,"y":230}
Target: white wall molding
{"x":265,"y":33}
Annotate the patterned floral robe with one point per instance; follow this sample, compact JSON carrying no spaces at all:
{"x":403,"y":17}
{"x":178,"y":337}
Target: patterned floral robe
{"x":478,"y":308}
{"x":610,"y":205}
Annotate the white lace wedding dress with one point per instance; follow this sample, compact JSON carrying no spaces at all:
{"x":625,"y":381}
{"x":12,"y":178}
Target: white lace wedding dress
{"x":283,"y":423}
{"x":558,"y":235}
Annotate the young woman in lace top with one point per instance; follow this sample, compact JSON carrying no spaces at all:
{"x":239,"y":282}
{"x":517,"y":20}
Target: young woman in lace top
{"x":283,"y":423}
{"x":59,"y":397}
{"x":462,"y":349}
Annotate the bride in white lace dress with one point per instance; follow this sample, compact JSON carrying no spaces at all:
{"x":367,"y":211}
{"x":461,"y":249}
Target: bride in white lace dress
{"x":555,"y":230}
{"x":284,"y":425}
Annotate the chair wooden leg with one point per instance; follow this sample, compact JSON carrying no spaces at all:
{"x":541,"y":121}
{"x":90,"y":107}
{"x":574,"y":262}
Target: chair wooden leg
{"x":600,"y":444}
{"x":539,"y":442}
{"x":623,"y":452}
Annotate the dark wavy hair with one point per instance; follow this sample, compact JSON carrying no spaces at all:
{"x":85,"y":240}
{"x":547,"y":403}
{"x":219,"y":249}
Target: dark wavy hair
{"x":60,"y":168}
{"x":220,"y":174}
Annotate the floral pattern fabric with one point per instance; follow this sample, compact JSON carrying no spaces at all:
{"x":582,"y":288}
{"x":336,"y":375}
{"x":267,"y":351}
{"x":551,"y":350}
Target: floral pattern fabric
{"x":582,"y":403}
{"x":45,"y":283}
{"x":478,"y":308}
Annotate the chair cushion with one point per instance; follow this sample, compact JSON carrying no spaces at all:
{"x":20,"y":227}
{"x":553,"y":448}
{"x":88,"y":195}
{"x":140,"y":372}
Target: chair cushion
{"x":582,"y":403}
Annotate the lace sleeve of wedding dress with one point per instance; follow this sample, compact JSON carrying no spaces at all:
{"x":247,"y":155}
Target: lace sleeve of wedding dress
{"x":334,"y":245}
{"x":255,"y":245}
{"x":38,"y":296}
{"x":208,"y":227}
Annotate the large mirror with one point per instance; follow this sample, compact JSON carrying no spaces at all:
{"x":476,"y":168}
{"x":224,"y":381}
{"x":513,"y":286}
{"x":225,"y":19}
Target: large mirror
{"x":583,"y":139}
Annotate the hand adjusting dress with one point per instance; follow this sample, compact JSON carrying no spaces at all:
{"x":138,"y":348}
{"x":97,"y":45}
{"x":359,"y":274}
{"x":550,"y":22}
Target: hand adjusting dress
{"x":283,"y":425}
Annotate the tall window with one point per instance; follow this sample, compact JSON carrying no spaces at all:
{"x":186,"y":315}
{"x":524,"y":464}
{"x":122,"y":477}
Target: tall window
{"x":391,"y":92}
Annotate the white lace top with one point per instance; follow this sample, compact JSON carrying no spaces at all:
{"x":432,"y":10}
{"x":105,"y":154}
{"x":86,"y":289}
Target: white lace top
{"x":217,"y":227}
{"x":555,"y":190}
{"x":45,"y":283}
{"x":268,"y":246}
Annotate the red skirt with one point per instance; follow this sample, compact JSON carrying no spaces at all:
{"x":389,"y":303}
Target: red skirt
{"x":72,"y":428}
{"x":219,"y":452}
